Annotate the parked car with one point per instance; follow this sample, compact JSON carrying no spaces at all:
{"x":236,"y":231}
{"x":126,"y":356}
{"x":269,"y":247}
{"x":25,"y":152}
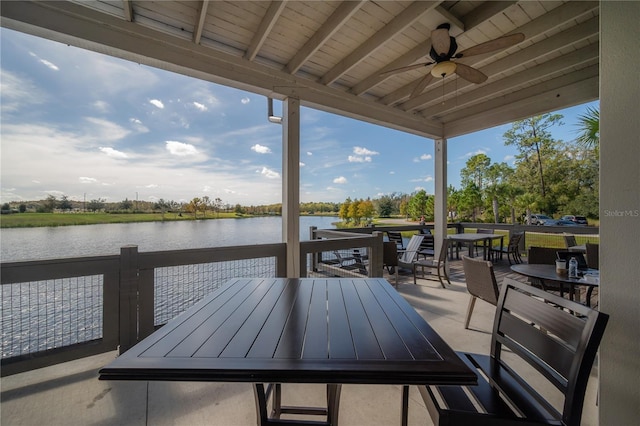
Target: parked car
{"x":580,"y":220}
{"x":560,"y":222}
{"x":538,"y":219}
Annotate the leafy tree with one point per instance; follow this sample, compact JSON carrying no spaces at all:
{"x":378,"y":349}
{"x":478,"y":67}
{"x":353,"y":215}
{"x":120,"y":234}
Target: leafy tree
{"x":385,"y":206}
{"x":418,"y":205}
{"x":475,"y":171}
{"x":366,"y":210}
{"x":95,"y":205}
{"x":126,"y":204}
{"x":22,"y":208}
{"x":194,"y":207}
{"x":65,"y":203}
{"x":50,"y":204}
{"x":497,"y":176}
{"x":589,"y":128}
{"x":354,"y":211}
{"x":344,"y":210}
{"x":6,"y":207}
{"x":531,"y":137}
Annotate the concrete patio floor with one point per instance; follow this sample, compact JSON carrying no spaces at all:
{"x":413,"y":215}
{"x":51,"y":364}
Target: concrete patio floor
{"x":71,"y":394}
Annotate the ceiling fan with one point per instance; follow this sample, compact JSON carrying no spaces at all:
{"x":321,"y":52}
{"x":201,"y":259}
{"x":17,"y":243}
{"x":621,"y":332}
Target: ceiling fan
{"x":443,"y":50}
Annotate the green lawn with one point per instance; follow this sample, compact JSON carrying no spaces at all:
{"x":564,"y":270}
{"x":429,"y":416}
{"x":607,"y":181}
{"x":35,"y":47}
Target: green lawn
{"x":31,"y":220}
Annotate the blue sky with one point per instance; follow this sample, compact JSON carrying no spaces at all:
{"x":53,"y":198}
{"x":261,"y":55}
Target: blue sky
{"x":86,"y":125}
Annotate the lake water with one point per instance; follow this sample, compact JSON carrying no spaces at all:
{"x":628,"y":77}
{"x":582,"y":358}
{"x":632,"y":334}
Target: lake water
{"x":96,"y":240}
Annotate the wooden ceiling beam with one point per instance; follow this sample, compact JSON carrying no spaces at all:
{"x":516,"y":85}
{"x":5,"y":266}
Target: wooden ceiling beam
{"x":547,"y":22}
{"x":338,"y":18}
{"x":562,"y":92}
{"x":535,"y":52}
{"x":127,"y":6}
{"x":266,"y":25}
{"x":398,"y":24}
{"x":202,"y":16}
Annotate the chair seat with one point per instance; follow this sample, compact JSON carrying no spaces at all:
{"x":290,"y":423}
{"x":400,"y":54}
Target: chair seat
{"x":505,"y":383}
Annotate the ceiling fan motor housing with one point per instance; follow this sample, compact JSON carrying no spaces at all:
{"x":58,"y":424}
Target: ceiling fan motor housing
{"x":445,"y":56}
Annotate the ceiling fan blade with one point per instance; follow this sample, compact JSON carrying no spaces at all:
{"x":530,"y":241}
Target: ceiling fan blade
{"x":407,"y":68}
{"x":440,"y":41}
{"x":490,"y":46}
{"x":421,"y":85}
{"x":470,"y":74}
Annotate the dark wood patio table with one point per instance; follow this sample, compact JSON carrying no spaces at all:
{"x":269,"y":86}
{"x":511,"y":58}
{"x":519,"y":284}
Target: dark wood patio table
{"x":277,"y":330}
{"x":546,"y":273}
{"x":471,"y":238}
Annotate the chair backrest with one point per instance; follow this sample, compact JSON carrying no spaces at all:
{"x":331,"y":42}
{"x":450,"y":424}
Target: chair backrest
{"x":484,"y":231}
{"x":411,"y":251}
{"x":514,"y":239}
{"x":559,"y":343}
{"x":427,"y":242}
{"x":425,"y":231}
{"x":481,"y":281}
{"x":569,"y":240}
{"x":542,"y":255}
{"x":593,"y":255}
{"x":389,"y":253}
{"x":396,"y":237}
{"x":442,"y":257}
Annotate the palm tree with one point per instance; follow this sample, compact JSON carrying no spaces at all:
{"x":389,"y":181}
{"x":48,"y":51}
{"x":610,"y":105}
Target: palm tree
{"x":589,"y":128}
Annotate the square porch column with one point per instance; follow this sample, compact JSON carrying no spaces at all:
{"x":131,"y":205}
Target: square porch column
{"x":291,"y":184}
{"x":440,"y":188}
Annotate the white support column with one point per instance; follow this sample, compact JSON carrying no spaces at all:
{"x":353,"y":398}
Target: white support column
{"x":291,"y":184}
{"x":619,"y":360}
{"x":440,"y":184}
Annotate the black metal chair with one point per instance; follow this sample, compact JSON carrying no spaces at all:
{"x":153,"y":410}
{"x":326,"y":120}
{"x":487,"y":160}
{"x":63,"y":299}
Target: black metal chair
{"x":593,"y":255}
{"x":440,"y":265}
{"x":481,"y":283}
{"x":557,"y":337}
{"x":512,"y":250}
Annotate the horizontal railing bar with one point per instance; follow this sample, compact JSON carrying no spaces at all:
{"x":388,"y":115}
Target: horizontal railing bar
{"x":158,"y":259}
{"x":41,"y":270}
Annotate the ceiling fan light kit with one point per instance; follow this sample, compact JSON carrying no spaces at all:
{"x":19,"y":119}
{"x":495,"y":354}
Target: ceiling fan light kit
{"x":443,"y":50}
{"x":443,"y":69}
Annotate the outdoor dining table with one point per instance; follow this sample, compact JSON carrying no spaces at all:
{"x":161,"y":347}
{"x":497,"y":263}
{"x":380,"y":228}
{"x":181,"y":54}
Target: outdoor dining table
{"x":288,"y":330}
{"x":470,"y":239}
{"x":545,"y":273}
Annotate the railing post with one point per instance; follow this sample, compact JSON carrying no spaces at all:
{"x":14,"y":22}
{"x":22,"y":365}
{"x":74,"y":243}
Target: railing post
{"x":314,"y":256}
{"x":128,"y":318}
{"x":375,"y":256}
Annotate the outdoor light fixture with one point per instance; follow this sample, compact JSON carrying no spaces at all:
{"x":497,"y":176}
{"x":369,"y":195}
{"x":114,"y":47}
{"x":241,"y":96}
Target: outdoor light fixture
{"x":443,"y":69}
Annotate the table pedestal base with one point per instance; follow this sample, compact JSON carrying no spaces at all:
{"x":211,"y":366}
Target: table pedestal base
{"x":274,"y":391}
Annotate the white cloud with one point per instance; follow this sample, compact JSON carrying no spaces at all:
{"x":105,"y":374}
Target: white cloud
{"x":113,"y":153}
{"x":356,"y":159}
{"x":425,"y":157}
{"x":137,"y":124}
{"x":340,"y":180}
{"x":245,"y":101}
{"x":479,"y":151}
{"x":201,"y":107}
{"x":180,"y":149}
{"x":302,"y":164}
{"x":46,"y":63}
{"x":104,"y":130}
{"x":261,"y":149}
{"x":392,"y":172}
{"x":270,"y":174}
{"x":309,"y":153}
{"x":157,"y":103}
{"x":84,"y":179}
{"x":362,"y":155}
{"x":509,"y":158}
{"x":101,"y":106}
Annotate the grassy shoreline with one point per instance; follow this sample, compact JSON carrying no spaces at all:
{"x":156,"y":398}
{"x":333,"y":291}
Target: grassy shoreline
{"x":34,"y":220}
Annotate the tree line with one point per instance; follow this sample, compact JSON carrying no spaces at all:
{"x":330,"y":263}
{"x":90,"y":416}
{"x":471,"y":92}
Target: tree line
{"x":548,"y":176}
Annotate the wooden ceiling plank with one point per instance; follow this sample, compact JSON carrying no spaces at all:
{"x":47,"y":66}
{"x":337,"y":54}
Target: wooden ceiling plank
{"x":520,"y":79}
{"x":549,"y":96}
{"x":337,"y":19}
{"x":202,"y":16}
{"x":397,"y":24}
{"x":555,"y":18}
{"x":485,"y":12}
{"x":422,"y":50}
{"x":269,"y":20}
{"x":535,"y":52}
{"x":127,"y":6}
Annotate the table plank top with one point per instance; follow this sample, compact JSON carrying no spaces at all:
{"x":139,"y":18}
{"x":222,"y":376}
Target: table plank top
{"x":470,"y":236}
{"x":296,"y":330}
